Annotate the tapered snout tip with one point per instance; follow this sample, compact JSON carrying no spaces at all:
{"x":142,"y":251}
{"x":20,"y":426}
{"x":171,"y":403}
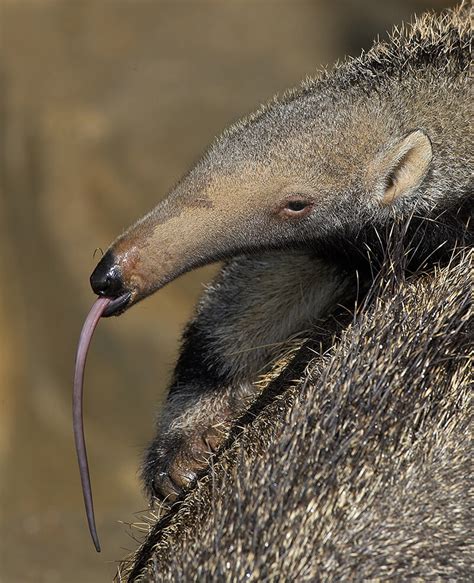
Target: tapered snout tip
{"x":107,"y":281}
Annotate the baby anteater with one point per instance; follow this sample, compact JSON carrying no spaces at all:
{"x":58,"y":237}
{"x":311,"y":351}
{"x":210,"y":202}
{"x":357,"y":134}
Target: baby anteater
{"x":298,"y":199}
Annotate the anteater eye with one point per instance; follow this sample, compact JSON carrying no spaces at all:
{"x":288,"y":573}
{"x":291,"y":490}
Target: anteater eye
{"x":297,"y":208}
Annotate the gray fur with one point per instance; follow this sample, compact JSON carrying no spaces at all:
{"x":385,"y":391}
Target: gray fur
{"x":259,"y":302}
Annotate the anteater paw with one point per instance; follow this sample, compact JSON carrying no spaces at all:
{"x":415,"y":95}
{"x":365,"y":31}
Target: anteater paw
{"x":174,"y":466}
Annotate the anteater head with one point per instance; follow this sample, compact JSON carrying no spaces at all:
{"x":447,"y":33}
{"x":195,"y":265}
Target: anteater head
{"x":284,"y":178}
{"x":381,"y":136}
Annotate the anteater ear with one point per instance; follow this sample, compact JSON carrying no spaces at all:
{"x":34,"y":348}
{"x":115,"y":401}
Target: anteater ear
{"x":402,"y":169}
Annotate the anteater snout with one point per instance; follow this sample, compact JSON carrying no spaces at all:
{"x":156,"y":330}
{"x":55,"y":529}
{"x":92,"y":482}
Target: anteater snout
{"x":106,"y":279}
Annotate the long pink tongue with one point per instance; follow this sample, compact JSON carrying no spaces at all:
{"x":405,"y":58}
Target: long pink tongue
{"x":77,"y":420}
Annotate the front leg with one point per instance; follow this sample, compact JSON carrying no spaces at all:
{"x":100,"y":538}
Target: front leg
{"x":242,"y":325}
{"x":191,"y":428}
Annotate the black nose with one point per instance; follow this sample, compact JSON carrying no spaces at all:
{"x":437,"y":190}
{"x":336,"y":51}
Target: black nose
{"x":106,"y":279}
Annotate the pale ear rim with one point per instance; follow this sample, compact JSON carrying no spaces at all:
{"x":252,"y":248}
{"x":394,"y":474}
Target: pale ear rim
{"x":408,"y":163}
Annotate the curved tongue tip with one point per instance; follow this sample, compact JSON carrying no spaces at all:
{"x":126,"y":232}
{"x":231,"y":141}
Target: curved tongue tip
{"x":78,"y":426}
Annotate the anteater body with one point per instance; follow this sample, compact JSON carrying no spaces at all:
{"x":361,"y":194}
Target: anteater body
{"x":308,"y":201}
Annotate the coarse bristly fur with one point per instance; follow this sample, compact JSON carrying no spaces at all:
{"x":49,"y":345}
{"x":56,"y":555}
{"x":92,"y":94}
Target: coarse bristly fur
{"x":359,"y":470}
{"x":329,"y":374}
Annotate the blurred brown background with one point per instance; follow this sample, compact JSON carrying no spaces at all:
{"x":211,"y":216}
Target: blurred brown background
{"x":103,"y":105}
